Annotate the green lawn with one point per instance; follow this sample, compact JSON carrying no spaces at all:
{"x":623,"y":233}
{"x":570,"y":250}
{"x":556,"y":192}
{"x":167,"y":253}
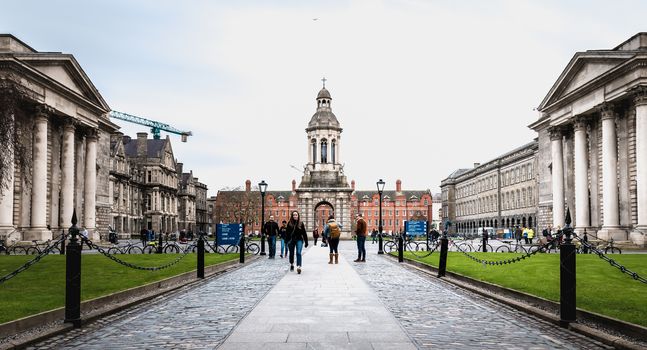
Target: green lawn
{"x":601,"y":288}
{"x":42,"y":286}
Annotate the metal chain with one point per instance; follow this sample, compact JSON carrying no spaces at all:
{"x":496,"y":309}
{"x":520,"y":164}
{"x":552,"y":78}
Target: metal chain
{"x":430,"y":251}
{"x":612,"y":262}
{"x":33,"y":261}
{"x":186,"y":251}
{"x":507,"y":261}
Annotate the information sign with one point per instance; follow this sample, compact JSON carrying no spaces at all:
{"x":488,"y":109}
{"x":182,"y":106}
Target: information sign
{"x":416,"y":228}
{"x":228,"y":234}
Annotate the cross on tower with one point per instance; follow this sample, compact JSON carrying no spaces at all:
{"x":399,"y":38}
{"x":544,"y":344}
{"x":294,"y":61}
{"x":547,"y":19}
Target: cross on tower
{"x":324,"y":81}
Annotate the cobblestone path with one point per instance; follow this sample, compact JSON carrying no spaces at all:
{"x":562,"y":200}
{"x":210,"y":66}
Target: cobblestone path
{"x":197,"y":317}
{"x":440,"y":316}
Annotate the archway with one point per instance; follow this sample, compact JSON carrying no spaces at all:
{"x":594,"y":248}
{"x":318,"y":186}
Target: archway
{"x":322,"y":210}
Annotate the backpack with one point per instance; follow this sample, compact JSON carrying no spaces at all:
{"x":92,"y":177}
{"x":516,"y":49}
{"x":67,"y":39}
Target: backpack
{"x":335,"y":232}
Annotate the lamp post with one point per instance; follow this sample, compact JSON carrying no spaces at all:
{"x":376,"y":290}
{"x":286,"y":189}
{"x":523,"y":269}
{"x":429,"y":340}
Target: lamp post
{"x":262,"y":186}
{"x":380,"y":189}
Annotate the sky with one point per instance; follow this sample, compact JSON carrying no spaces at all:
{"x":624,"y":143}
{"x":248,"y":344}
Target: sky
{"x":421,"y":88}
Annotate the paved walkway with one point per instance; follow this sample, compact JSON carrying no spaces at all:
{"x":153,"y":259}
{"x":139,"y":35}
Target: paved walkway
{"x":373,"y":305}
{"x":325,"y":307}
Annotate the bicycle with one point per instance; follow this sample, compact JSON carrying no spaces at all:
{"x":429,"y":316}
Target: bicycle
{"x":507,"y":247}
{"x":35,"y":248}
{"x":129,"y":248}
{"x":609,"y":248}
{"x":392,"y":245}
{"x":252,"y":248}
{"x":174,"y":247}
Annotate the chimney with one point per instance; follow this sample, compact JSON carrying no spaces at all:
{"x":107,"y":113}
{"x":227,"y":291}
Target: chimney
{"x":294,"y":185}
{"x":248,"y":186}
{"x":476,"y":165}
{"x":142,"y":144}
{"x":179,"y":167}
{"x":352,"y":185}
{"x":398,"y":186}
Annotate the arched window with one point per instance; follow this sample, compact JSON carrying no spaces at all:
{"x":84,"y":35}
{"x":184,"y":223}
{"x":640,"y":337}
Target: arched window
{"x":314,"y":150}
{"x":333,"y":149}
{"x":324,"y":151}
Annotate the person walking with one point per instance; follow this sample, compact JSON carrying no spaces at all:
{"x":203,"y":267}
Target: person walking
{"x":517,"y":234}
{"x":332,"y":231}
{"x":298,"y":236}
{"x":283,"y":232}
{"x":374,"y":236}
{"x":531,"y":234}
{"x":271,"y":230}
{"x":361,"y":229}
{"x":315,"y":235}
{"x":143,"y":236}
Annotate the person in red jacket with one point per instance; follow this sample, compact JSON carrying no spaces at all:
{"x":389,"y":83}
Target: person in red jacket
{"x":361,"y":229}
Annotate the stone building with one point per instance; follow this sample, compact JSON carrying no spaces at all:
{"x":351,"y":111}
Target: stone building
{"x":323,"y":189}
{"x":186,"y":200}
{"x":501,"y":193}
{"x":201,"y":210}
{"x":62,"y":124}
{"x":127,"y":188}
{"x":154,"y":167}
{"x":592,"y":135}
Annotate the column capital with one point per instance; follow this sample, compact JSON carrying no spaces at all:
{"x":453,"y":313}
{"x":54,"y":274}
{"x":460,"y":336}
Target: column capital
{"x":580,"y":123}
{"x":640,"y":95}
{"x":92,"y":134}
{"x":556,"y":132}
{"x":607,"y":111}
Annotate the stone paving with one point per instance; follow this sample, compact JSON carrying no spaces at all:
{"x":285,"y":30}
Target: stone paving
{"x":373,"y":305}
{"x":192,"y":318}
{"x":439,"y":315}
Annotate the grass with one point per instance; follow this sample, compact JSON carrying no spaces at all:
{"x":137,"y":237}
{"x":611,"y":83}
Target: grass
{"x":42,"y":286}
{"x":601,"y":288}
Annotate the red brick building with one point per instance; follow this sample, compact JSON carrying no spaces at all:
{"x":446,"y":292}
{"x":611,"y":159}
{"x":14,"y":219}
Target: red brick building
{"x":397,"y":206}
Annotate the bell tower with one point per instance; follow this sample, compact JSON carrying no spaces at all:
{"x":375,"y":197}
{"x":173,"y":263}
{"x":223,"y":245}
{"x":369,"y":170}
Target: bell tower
{"x":323,"y":179}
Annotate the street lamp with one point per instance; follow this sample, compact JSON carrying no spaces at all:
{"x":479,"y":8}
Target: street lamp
{"x":262,"y":186}
{"x":380,"y":189}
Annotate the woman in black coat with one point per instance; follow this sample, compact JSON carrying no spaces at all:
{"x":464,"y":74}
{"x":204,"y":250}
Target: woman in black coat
{"x":297,"y":235}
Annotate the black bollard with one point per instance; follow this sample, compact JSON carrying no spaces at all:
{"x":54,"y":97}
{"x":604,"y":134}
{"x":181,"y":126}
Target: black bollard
{"x":63,"y":243}
{"x":201,"y":256}
{"x":567,"y":302}
{"x":400,"y":249}
{"x":241,"y":248}
{"x":73,"y":277}
{"x":159,"y":244}
{"x":442,"y":263}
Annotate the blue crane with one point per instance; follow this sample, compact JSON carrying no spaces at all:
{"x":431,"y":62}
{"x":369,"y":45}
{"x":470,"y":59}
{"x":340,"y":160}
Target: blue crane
{"x":154,"y":125}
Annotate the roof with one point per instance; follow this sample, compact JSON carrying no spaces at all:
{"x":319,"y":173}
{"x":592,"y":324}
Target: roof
{"x":154,"y":148}
{"x":324,"y":118}
{"x":393,"y":194}
{"x":323,"y":93}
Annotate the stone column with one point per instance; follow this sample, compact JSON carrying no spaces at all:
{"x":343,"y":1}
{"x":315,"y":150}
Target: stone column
{"x":610,"y":222}
{"x":558,"y":176}
{"x":38,"y":227}
{"x":6,"y":194}
{"x":90,"y":189}
{"x":582,"y":215}
{"x":67,"y":177}
{"x":638,"y":236}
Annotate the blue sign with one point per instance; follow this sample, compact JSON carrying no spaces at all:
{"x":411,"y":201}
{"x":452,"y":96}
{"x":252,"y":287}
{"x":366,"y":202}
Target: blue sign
{"x":415,"y":228}
{"x":228,"y":234}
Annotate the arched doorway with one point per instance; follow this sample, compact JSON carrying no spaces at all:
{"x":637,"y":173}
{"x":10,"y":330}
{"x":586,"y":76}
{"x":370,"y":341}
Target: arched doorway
{"x":322,"y":210}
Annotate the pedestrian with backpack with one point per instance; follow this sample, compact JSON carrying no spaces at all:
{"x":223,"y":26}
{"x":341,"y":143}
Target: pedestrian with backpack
{"x":298,"y":236}
{"x":333,"y":232}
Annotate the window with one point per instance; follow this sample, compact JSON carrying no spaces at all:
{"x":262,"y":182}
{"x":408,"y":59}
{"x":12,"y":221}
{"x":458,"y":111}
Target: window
{"x":332,"y":151}
{"x":314,"y":151}
{"x":324,"y":151}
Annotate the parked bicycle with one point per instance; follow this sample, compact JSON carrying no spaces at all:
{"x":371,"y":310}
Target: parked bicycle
{"x":609,"y":248}
{"x":409,"y":244}
{"x":250,"y":247}
{"x":509,"y":247}
{"x":128,"y":248}
{"x":38,"y":248}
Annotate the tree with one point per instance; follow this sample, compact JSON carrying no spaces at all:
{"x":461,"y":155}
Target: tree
{"x":15,"y":130}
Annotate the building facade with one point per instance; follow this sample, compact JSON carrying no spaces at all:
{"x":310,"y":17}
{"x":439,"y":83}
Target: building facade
{"x":201,"y":210}
{"x":501,"y":193}
{"x":592,"y":135}
{"x":56,"y":145}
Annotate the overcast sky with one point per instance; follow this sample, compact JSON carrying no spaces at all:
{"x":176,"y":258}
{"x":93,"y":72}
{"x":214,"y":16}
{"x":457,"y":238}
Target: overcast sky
{"x":420,"y":88}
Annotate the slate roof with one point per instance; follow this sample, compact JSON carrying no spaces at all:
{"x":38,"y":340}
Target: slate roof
{"x":392,"y":194}
{"x":154,"y":149}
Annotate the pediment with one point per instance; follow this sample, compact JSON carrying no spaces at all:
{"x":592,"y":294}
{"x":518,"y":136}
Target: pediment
{"x":582,"y":71}
{"x":119,"y":150}
{"x":64,"y":70}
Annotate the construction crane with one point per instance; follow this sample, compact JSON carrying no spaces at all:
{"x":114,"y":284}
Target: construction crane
{"x":156,"y":126}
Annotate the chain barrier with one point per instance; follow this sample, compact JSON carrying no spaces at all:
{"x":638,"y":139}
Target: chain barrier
{"x":186,"y":251}
{"x":612,"y":262}
{"x":540,"y":249}
{"x":429,"y":251}
{"x":33,"y":261}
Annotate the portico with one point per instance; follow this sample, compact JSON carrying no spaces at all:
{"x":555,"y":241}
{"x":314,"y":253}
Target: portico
{"x":593,"y":134}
